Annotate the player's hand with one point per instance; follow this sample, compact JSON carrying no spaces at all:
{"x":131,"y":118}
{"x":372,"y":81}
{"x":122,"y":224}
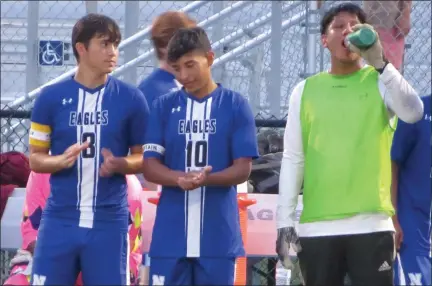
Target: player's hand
{"x":286,"y":238}
{"x":373,"y":56}
{"x":201,"y":178}
{"x":193,"y":180}
{"x":71,"y":154}
{"x":111,"y":164}
{"x":186,"y":183}
{"x":398,"y":233}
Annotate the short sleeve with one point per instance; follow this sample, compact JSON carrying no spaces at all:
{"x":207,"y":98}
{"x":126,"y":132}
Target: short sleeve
{"x":41,"y":121}
{"x":403,"y":141}
{"x":154,"y":141}
{"x":138,"y":121}
{"x":244,"y":139}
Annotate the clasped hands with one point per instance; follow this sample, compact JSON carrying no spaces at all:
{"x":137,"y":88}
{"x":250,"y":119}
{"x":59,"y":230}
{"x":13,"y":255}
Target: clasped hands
{"x":194,"y":179}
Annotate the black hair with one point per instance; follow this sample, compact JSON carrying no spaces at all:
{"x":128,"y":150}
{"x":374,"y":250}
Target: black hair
{"x":344,"y":7}
{"x":94,"y":25}
{"x":186,"y":40}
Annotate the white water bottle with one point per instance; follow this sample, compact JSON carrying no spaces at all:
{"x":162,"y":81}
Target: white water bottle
{"x":283,"y":275}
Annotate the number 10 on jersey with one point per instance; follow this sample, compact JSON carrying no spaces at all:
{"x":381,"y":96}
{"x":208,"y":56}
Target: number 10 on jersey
{"x":196,"y":153}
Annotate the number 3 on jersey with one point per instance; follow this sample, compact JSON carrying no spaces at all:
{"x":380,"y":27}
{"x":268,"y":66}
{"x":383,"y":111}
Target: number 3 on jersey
{"x":91,"y":150}
{"x":198,"y":151}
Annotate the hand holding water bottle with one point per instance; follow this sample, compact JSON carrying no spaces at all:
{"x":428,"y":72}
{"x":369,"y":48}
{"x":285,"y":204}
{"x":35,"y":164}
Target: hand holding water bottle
{"x":364,"y":40}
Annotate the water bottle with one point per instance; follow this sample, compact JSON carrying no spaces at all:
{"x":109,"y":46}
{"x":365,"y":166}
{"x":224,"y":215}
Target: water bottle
{"x":363,"y":39}
{"x":283,"y":276}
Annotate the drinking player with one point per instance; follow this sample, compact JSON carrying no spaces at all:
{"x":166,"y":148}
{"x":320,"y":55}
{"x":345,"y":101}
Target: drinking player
{"x":199,"y":146}
{"x":337,"y":143}
{"x":82,"y":130}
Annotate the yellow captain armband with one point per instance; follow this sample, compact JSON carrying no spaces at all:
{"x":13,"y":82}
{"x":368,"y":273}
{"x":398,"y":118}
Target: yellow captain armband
{"x":40,"y":135}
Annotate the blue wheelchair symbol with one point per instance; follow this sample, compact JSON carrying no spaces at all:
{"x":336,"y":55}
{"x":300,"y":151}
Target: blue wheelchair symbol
{"x":51,"y":53}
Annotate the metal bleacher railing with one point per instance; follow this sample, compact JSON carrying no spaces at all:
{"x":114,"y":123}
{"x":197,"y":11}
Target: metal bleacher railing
{"x":251,"y":43}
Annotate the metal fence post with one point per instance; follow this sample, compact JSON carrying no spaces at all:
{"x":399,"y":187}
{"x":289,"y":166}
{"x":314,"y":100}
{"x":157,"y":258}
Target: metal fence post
{"x":132,"y":13}
{"x":311,"y":38}
{"x":91,"y":7}
{"x":274,"y":95}
{"x":255,"y":70}
{"x":32,"y":69}
{"x":217,"y":34}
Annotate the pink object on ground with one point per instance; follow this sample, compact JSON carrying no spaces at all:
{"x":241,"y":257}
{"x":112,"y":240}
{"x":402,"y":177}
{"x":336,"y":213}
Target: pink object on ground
{"x":37,"y":192}
{"x":17,"y":278}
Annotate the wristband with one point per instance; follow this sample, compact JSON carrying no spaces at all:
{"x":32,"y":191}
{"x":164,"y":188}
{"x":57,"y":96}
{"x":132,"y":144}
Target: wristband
{"x":381,"y":70}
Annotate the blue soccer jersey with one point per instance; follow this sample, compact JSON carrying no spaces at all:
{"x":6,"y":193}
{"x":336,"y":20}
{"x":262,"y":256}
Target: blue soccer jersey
{"x":158,"y":83}
{"x":187,"y":134}
{"x":411,"y":150}
{"x":112,"y":116}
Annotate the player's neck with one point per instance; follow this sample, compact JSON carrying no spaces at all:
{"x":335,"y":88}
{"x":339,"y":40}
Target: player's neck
{"x":89,"y":78}
{"x":340,"y":68}
{"x":205,"y":90}
{"x":165,"y":66}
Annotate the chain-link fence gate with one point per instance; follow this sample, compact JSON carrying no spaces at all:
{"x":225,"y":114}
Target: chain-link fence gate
{"x":263,"y":50}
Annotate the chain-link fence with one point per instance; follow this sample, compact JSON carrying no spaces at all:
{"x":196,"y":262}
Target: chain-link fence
{"x":405,"y":31}
{"x":262,"y":65}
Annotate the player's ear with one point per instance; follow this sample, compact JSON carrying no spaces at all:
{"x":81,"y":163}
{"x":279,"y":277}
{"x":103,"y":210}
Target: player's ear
{"x":210,"y":58}
{"x":324,"y":40}
{"x":80,"y":47}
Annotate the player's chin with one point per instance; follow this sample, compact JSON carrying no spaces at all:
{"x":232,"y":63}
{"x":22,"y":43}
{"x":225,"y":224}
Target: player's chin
{"x":108,"y":70}
{"x":191,"y":89}
{"x":347,"y":58}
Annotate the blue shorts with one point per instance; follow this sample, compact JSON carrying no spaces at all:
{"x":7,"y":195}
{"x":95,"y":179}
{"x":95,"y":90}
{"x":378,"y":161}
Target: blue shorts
{"x":411,"y":269}
{"x":192,"y":271}
{"x":62,"y":251}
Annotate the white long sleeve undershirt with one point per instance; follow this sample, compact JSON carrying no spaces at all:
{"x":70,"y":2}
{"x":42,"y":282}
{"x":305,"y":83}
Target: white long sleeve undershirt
{"x":401,"y":100}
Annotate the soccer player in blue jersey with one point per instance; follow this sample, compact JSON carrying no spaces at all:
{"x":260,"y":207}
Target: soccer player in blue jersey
{"x":162,"y":79}
{"x":200,"y":143}
{"x":82,"y":130}
{"x":412,"y":197}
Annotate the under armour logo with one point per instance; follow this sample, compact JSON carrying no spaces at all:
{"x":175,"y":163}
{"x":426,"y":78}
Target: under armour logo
{"x":176,"y":109}
{"x":65,"y":101}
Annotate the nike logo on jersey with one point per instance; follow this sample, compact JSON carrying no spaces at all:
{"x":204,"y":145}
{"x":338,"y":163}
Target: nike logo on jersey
{"x":197,"y":126}
{"x":88,"y":118}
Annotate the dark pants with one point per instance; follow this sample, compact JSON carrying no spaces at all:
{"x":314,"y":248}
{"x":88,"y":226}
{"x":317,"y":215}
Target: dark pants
{"x":366,"y":258}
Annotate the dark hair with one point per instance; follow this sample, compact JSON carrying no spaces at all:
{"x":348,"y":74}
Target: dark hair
{"x":187,"y":40}
{"x":164,"y":27}
{"x":344,"y":7}
{"x":94,"y":25}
